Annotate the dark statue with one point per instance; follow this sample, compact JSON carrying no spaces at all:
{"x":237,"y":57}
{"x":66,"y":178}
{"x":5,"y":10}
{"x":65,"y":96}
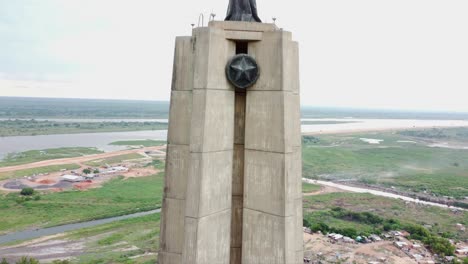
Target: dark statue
{"x":242,"y":10}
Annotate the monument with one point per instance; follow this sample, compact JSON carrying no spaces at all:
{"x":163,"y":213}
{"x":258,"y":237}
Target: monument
{"x":233,"y":168}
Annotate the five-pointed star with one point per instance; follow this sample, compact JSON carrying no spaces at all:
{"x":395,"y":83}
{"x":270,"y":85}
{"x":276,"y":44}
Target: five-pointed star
{"x":243,"y":68}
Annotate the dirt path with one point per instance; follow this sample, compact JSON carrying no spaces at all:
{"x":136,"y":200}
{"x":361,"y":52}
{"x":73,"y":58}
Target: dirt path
{"x":324,"y":190}
{"x":79,"y":159}
{"x":378,"y":193}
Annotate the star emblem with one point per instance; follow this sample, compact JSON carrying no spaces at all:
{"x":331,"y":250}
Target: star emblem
{"x":242,"y":71}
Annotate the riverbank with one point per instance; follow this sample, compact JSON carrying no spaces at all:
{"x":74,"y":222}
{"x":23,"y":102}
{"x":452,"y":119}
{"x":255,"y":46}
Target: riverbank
{"x":36,"y":233}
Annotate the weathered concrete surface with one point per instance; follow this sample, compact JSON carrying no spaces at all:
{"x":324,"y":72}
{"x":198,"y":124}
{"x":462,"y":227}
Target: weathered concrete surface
{"x":172,"y":235}
{"x":268,"y":238}
{"x":272,"y":216}
{"x":182,"y":76}
{"x":207,"y":239}
{"x":209,"y":183}
{"x":212,"y":51}
{"x":180,"y":118}
{"x":233,"y":170}
{"x":169,"y":258}
{"x":212,"y":126}
{"x":177,"y":168}
{"x":178,"y":155}
{"x":243,"y":26}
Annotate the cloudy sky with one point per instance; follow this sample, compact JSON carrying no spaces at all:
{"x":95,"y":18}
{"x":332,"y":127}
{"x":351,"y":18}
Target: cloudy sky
{"x":400,"y":54}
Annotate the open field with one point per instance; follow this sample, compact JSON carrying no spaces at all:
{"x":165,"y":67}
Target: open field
{"x":127,"y":241}
{"x":113,"y":160}
{"x":82,"y":159}
{"x":317,"y":208}
{"x":310,"y":188}
{"x":39,"y":170}
{"x":117,"y":197}
{"x":136,"y":240}
{"x":31,"y":156}
{"x":33,"y":127}
{"x":140,"y":143}
{"x":434,"y":167}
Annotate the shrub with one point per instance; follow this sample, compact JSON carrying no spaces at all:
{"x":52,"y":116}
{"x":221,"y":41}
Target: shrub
{"x":27,"y":191}
{"x":86,"y":171}
{"x":26,"y":260}
{"x":440,"y":245}
{"x":65,"y":261}
{"x":322,"y":227}
{"x":4,"y":261}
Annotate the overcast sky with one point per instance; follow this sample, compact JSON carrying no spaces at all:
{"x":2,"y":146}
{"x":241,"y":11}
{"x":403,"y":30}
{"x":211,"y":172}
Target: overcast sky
{"x":400,"y":54}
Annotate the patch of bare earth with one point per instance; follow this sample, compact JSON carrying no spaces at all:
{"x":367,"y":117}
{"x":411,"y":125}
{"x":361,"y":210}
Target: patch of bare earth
{"x":46,"y":249}
{"x":321,"y":248}
{"x":324,"y":190}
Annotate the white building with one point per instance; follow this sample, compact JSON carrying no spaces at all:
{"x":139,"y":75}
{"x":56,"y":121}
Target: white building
{"x":73,"y":178}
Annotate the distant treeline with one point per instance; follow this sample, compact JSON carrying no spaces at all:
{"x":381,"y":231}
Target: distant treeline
{"x":15,"y":107}
{"x":459,"y":133}
{"x":15,"y":127}
{"x":23,"y":107}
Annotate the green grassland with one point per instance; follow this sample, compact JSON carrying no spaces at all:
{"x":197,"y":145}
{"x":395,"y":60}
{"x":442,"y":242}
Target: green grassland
{"x":317,"y":209}
{"x":114,"y":160}
{"x":144,"y":143}
{"x":31,"y":156}
{"x":33,"y":127}
{"x":402,"y":161}
{"x":38,"y":170}
{"x":310,"y":188}
{"x":117,"y":197}
{"x":105,"y":243}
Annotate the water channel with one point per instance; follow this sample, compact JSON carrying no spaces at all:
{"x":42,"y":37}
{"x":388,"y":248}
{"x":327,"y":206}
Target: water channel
{"x":36,"y":233}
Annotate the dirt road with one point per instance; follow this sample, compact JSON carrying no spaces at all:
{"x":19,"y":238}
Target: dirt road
{"x":377,"y":193}
{"x":79,"y":159}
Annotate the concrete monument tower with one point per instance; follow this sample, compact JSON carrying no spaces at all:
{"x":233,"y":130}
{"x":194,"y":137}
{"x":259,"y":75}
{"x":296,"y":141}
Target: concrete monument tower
{"x":233,"y":169}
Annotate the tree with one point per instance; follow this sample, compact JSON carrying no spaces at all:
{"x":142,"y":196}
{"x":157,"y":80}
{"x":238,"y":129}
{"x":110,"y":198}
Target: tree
{"x":86,"y":171}
{"x":27,"y":191}
{"x":4,"y":261}
{"x":96,"y":171}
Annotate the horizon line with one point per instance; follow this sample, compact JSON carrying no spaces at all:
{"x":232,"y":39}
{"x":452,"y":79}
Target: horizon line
{"x":302,"y":105}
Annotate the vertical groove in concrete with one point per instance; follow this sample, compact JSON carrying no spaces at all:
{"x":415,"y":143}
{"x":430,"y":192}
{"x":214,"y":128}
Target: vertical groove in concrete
{"x":238,"y":178}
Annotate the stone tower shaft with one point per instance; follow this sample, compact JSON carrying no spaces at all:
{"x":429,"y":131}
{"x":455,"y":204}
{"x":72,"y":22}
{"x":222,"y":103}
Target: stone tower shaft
{"x":233,"y":168}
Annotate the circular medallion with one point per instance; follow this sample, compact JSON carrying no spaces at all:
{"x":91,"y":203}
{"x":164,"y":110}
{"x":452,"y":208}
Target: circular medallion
{"x":242,"y":71}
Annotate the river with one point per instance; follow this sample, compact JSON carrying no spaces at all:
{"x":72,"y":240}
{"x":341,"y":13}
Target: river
{"x":102,"y":140}
{"x":32,"y":234}
{"x":98,"y":140}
